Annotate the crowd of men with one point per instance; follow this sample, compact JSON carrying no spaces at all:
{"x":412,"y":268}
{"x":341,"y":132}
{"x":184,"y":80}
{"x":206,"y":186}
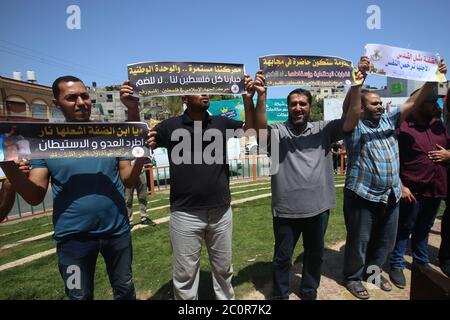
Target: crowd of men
{"x":396,"y":177}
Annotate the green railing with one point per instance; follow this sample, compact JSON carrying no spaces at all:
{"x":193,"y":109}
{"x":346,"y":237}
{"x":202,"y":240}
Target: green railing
{"x":22,"y":209}
{"x":240,"y":169}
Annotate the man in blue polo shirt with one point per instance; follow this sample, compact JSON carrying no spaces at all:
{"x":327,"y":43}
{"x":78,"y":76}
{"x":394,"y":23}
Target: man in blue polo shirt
{"x":89,"y":212}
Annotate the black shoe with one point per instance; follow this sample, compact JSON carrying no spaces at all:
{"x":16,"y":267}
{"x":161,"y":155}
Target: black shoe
{"x":307,"y":295}
{"x":445,"y":267}
{"x":397,"y":277}
{"x":147,"y":221}
{"x":424,"y":266}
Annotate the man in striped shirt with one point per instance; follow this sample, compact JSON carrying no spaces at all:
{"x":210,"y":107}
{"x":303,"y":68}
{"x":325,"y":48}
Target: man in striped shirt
{"x":372,"y":189}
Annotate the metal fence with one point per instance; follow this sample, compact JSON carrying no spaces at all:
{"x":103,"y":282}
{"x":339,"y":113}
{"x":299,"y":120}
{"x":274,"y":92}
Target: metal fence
{"x":158,"y":178}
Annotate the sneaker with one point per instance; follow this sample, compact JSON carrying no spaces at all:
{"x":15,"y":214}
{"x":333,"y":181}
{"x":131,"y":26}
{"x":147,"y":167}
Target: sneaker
{"x":147,"y":221}
{"x":397,"y":277}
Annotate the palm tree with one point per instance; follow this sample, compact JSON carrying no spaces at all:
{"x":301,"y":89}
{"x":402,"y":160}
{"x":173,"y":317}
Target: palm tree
{"x":173,"y":105}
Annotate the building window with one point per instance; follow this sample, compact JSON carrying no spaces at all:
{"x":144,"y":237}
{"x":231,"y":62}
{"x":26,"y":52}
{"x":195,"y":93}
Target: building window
{"x":16,"y":108}
{"x":109,"y":98}
{"x":39,"y":111}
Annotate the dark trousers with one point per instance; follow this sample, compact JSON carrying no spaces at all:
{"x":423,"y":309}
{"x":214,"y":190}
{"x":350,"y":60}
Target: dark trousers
{"x":287,"y":232}
{"x":371,"y":233}
{"x":444,"y":251}
{"x":415,"y":220}
{"x":77,"y":258}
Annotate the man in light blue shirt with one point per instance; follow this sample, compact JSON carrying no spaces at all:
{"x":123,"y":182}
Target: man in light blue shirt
{"x":89,"y":212}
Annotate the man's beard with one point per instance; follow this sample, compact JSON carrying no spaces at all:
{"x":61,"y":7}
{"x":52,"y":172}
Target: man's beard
{"x":299,"y":122}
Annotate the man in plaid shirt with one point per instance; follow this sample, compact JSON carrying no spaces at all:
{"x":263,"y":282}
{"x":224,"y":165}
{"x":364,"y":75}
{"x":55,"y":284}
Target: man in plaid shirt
{"x":372,"y":189}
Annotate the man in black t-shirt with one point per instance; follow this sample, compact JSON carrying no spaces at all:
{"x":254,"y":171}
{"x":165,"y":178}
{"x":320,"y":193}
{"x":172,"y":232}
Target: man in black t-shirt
{"x":199,"y":192}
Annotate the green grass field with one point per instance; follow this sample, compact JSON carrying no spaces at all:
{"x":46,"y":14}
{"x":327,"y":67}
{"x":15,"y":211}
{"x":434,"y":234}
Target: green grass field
{"x":152,"y":266}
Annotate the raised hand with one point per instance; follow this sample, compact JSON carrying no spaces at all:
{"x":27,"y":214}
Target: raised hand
{"x":364,"y":65}
{"x":151,"y":142}
{"x":442,"y":67}
{"x":260,"y":82}
{"x":126,"y":95}
{"x":249,"y":87}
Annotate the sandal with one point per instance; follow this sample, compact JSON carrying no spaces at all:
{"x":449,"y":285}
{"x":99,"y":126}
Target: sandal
{"x":357,"y":289}
{"x":385,"y":285}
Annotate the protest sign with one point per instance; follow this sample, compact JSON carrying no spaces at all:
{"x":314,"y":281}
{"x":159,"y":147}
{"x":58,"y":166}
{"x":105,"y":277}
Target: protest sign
{"x":22,"y":140}
{"x":286,"y":70}
{"x":183,"y":78}
{"x":404,"y":63}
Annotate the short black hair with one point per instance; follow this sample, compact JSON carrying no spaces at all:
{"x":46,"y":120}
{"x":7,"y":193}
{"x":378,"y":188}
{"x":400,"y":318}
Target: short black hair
{"x":302,"y":92}
{"x":55,"y":85}
{"x":364,"y":93}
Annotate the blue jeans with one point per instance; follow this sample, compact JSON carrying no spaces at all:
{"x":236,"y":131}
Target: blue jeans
{"x":77,"y":258}
{"x":415,"y":220}
{"x":371,"y":232}
{"x":287,"y":232}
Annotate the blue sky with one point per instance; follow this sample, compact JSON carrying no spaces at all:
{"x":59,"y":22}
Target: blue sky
{"x":115,"y":33}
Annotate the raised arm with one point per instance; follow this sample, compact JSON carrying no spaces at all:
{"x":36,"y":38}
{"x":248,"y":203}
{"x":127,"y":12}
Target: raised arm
{"x":419,"y":97}
{"x":130,"y":101}
{"x":260,"y":112}
{"x":351,"y":117}
{"x":363,"y":66}
{"x":249,"y":106}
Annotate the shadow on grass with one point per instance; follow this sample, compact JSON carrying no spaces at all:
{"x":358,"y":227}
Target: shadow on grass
{"x":258,"y":274}
{"x":333,"y":262}
{"x":205,"y":290}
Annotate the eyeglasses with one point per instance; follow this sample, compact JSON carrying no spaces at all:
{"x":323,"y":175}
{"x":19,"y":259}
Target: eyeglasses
{"x":376,"y":103}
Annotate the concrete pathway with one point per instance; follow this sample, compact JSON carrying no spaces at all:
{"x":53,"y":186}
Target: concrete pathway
{"x":331,"y":287}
